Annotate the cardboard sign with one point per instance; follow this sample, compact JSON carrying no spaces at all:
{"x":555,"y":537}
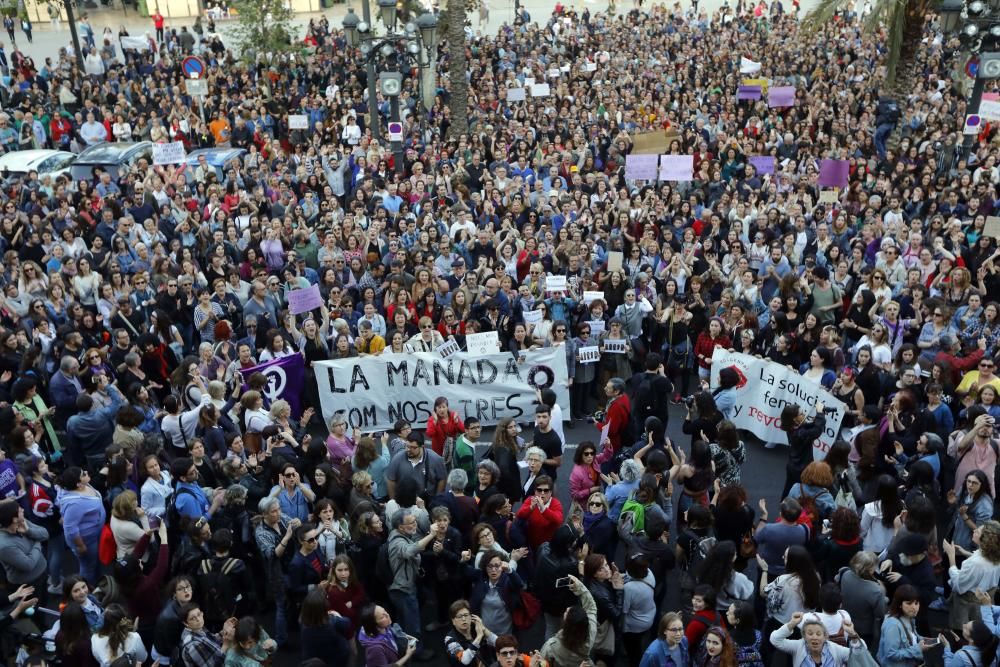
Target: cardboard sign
{"x":533,"y":316}
{"x":992,"y":227}
{"x":555,"y":283}
{"x":482,"y":344}
{"x":615,"y":345}
{"x":298,"y":121}
{"x":641,"y":167}
{"x":829,"y":196}
{"x":590,"y":297}
{"x":515,"y":94}
{"x":590,"y":354}
{"x":304,"y":300}
{"x":540,"y":90}
{"x":676,"y":167}
{"x":448,"y":348}
{"x":172,"y":153}
{"x":615,"y":259}
{"x":650,"y":143}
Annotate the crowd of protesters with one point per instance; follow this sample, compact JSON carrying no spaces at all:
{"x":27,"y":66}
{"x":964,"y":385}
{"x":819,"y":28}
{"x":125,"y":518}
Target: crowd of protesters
{"x":206,"y":524}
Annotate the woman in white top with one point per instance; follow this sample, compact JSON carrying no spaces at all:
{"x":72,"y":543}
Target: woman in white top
{"x":815,"y":646}
{"x":878,"y":341}
{"x":86,"y":283}
{"x":879,"y":516}
{"x":484,"y":541}
{"x":128,"y":522}
{"x":255,"y":416}
{"x":979,"y":572}
{"x":794,"y":592}
{"x":116,"y":638}
{"x":156,"y":490}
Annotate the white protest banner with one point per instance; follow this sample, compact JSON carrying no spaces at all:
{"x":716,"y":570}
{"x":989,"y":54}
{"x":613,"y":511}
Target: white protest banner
{"x":989,"y":109}
{"x":555,"y":283}
{"x":172,"y":153}
{"x":533,"y":316}
{"x":540,"y":90}
{"x":448,"y":348}
{"x":589,"y":355}
{"x":676,"y":167}
{"x":748,"y":66}
{"x":765,"y":388}
{"x":137,"y":43}
{"x":304,"y":300}
{"x":590,"y":297}
{"x":515,"y":94}
{"x":375,"y":392}
{"x":298,"y":121}
{"x":596,"y":328}
{"x":481,"y":344}
{"x":614,"y":345}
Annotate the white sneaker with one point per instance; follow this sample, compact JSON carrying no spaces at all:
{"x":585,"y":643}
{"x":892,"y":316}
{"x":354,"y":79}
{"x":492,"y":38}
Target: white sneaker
{"x":770,"y":445}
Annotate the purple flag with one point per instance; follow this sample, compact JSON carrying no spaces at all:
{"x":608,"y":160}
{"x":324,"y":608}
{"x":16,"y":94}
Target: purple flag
{"x":834,"y":173}
{"x":763,"y":163}
{"x":748,"y":93}
{"x":285,"y":380}
{"x":781,"y":96}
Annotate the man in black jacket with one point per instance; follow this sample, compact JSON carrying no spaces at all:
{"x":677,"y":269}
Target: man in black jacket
{"x":650,"y":392}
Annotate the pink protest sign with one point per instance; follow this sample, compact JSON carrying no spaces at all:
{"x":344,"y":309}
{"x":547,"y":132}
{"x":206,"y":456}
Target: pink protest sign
{"x":304,"y":300}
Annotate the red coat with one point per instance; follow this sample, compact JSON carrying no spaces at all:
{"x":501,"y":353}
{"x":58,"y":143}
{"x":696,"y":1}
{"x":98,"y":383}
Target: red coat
{"x":338,"y":599}
{"x":540,"y":527}
{"x":705,"y":345}
{"x":438,"y":432}
{"x":617,"y":417}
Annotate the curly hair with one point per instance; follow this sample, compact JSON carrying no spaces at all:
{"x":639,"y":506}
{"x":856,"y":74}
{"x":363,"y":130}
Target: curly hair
{"x":989,"y":541}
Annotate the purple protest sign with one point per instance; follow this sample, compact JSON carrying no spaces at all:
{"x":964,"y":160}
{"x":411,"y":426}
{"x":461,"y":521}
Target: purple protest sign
{"x":834,"y":173}
{"x":763,"y":163}
{"x":781,"y":96}
{"x":641,"y":167}
{"x":748,"y":93}
{"x":304,"y":300}
{"x":285,"y":380}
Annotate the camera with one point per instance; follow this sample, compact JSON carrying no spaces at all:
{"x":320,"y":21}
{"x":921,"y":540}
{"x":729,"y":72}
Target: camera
{"x":689,"y":402}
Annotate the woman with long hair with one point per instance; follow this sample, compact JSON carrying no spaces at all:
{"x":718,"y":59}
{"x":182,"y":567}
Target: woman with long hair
{"x":900,"y":645}
{"x":73,"y":638}
{"x":790,"y":594}
{"x":117,"y":638}
{"x":574,"y":641}
{"x":670,"y":644}
{"x":747,"y":639}
{"x":717,"y":649}
{"x":878,"y":517}
{"x":717,"y":570}
{"x":972,"y":508}
{"x":505,"y":453}
{"x":344,"y":592}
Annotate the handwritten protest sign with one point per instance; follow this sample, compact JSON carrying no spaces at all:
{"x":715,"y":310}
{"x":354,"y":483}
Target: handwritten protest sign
{"x":304,"y":300}
{"x":515,"y":94}
{"x":540,"y":90}
{"x":748,"y":93}
{"x":298,"y":122}
{"x":615,"y":259}
{"x":676,"y":167}
{"x":763,"y":163}
{"x":589,"y":297}
{"x":555,"y":283}
{"x":992,"y":227}
{"x":481,"y":344}
{"x":532,"y":316}
{"x":596,"y":328}
{"x":172,"y":153}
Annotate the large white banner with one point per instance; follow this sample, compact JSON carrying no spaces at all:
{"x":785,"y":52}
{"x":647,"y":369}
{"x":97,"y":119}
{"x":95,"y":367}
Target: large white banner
{"x":765,"y":388}
{"x":379,"y":390}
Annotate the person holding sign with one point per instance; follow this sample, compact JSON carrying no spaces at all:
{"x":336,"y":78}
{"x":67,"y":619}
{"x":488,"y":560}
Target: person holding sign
{"x":616,"y":352}
{"x":443,"y":423}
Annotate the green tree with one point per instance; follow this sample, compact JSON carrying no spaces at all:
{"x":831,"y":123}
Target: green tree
{"x":264,"y":26}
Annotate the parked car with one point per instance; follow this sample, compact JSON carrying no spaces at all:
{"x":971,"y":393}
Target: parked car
{"x":45,"y":161}
{"x":111,"y":157}
{"x":218,"y":158}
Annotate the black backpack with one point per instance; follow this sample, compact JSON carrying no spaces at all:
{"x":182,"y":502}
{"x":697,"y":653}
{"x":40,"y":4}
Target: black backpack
{"x":173,"y":517}
{"x":383,"y":567}
{"x":219,"y":599}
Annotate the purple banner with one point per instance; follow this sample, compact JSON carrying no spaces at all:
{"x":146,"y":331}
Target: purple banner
{"x":834,"y":173}
{"x":285,"y":380}
{"x":781,"y":96}
{"x":763,"y":163}
{"x":748,"y":93}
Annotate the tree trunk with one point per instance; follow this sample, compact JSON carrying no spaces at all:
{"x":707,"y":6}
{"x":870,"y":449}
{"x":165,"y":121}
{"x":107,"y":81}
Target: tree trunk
{"x":457,"y":67}
{"x":908,"y":70}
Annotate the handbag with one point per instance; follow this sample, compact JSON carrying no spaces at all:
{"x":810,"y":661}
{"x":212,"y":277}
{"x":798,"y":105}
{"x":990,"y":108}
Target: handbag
{"x":525,"y":614}
{"x":860,"y":657}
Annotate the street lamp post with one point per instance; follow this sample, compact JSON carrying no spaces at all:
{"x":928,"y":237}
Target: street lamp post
{"x":978,"y":27}
{"x":418,"y":41}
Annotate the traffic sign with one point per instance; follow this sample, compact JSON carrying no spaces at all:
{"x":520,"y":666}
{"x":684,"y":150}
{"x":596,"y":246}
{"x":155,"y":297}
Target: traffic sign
{"x":395,"y":131}
{"x":971,"y":67}
{"x":193,"y":66}
{"x":973,"y":123}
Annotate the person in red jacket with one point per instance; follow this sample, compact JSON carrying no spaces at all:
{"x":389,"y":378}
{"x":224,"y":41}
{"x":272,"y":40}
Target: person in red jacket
{"x":617,"y":416}
{"x":444,"y":423}
{"x":61,"y":131}
{"x":542,"y":513}
{"x":705,"y":615}
{"x":705,"y":346}
{"x":344,"y":593}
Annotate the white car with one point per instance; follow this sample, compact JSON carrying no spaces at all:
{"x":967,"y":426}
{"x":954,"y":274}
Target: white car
{"x":44,"y":161}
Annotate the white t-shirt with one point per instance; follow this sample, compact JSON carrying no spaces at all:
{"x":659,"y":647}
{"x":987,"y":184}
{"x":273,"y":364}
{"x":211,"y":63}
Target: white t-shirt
{"x":102,"y":652}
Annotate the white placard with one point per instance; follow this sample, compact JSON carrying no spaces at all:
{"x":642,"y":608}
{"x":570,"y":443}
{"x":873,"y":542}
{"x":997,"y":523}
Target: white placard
{"x":615,"y":346}
{"x":989,"y":109}
{"x":553,"y":73}
{"x":529,"y":81}
{"x":590,"y":297}
{"x":515,"y":95}
{"x":540,"y":90}
{"x":137,"y":43}
{"x":172,"y":153}
{"x":533,"y":316}
{"x":564,"y":69}
{"x":298,"y":121}
{"x":555,"y":283}
{"x":448,"y":348}
{"x":590,"y":354}
{"x":376,"y":391}
{"x":596,"y":328}
{"x":590,"y":67}
{"x":197,"y":87}
{"x":481,"y":344}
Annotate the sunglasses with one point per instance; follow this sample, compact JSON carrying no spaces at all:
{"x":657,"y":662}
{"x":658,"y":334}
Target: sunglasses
{"x":545,"y":490}
{"x":595,"y":504}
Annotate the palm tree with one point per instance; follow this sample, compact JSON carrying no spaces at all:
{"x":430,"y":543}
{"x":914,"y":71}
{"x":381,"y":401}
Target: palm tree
{"x":458,"y":84}
{"x":903,"y":22}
